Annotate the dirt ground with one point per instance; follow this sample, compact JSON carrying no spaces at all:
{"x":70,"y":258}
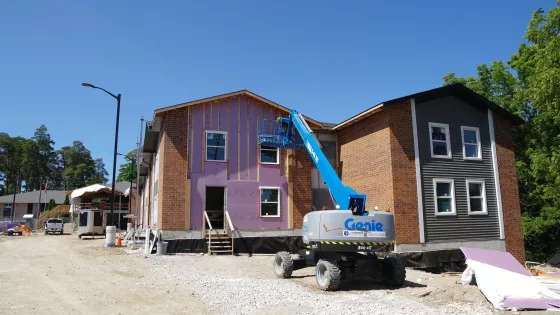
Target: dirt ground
{"x":61,"y":275}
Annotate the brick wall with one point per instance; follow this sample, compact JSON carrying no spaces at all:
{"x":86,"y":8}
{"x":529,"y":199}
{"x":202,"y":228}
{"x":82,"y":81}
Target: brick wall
{"x":365,"y":160}
{"x":173,"y":171}
{"x":509,"y":188}
{"x":377,"y":159}
{"x":300,"y":176}
{"x":404,"y":173}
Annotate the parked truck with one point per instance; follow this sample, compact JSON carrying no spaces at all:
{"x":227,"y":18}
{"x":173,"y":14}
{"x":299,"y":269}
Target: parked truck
{"x":54,"y":226}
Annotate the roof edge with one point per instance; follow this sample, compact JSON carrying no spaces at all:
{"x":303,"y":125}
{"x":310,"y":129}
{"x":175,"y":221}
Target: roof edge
{"x":456,"y":88}
{"x":233,"y":94}
{"x":366,"y":113}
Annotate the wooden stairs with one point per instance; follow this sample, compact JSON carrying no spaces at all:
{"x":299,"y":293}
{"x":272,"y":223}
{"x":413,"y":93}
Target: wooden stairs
{"x":219,"y":243}
{"x":55,"y":212}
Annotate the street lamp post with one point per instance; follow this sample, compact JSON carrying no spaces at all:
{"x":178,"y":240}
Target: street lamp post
{"x":118,"y":97}
{"x":132,"y":162}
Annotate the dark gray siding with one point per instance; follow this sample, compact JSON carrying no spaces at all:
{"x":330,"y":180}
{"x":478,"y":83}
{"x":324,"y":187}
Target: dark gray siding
{"x":456,"y":113}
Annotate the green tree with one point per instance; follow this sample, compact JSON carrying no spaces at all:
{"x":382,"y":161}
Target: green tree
{"x":11,"y":162}
{"x":51,"y":205}
{"x":127,"y":171}
{"x":66,"y":200}
{"x":100,"y":173}
{"x":31,"y":165}
{"x":79,"y":166}
{"x":45,"y":157}
{"x":529,"y":85}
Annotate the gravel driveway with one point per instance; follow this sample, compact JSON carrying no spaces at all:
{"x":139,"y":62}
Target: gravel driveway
{"x":62,"y":274}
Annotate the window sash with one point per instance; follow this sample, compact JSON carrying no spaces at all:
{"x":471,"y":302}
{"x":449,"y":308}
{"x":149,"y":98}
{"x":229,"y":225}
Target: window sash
{"x":447,"y":141}
{"x":269,"y":202}
{"x":477,"y":145}
{"x":449,"y":198}
{"x":481,"y":197}
{"x":217,"y":146}
{"x":270,"y":149}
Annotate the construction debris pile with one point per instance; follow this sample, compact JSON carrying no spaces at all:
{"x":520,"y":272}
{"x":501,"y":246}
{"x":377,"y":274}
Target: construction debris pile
{"x":21,"y":230}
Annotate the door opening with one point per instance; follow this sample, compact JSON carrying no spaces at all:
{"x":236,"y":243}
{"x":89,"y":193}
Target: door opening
{"x":215,"y":206}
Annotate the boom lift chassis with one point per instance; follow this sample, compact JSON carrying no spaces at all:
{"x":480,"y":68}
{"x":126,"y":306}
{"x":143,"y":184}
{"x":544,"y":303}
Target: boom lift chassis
{"x":360,"y":248}
{"x":336,"y":264}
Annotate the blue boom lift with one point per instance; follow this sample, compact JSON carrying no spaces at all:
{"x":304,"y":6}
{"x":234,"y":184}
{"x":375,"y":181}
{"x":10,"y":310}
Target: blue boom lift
{"x":341,"y":243}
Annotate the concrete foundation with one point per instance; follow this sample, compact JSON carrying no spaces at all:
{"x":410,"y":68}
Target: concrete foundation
{"x":498,"y":245}
{"x":197,"y":234}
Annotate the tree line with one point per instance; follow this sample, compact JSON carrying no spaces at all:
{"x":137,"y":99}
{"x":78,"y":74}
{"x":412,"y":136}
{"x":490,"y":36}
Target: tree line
{"x":30,"y":164}
{"x":528,"y":84}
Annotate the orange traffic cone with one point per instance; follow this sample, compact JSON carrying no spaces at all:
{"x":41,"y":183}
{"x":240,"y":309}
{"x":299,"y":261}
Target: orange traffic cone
{"x":119,"y":243}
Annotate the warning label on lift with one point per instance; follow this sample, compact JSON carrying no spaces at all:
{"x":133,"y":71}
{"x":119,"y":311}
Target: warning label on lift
{"x":363,"y":234}
{"x":354,"y":233}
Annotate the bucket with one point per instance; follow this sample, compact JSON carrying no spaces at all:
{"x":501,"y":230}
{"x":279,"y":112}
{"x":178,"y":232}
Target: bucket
{"x":128,"y":227}
{"x":110,"y":236}
{"x":161,"y":248}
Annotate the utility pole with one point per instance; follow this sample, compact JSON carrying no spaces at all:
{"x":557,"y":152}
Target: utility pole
{"x":14,"y":200}
{"x":138,"y":163}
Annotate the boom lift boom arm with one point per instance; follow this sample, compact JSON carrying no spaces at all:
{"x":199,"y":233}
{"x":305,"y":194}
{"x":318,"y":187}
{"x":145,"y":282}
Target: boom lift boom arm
{"x":345,"y":197}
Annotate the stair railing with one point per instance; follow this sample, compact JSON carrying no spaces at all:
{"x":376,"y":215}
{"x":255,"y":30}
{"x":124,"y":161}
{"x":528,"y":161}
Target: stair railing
{"x":206,"y":219}
{"x":230,"y":230}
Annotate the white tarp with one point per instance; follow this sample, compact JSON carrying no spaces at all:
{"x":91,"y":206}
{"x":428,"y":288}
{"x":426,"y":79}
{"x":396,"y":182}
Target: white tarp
{"x":499,"y":284}
{"x":92,"y":188}
{"x":504,"y":281}
{"x":76,"y":194}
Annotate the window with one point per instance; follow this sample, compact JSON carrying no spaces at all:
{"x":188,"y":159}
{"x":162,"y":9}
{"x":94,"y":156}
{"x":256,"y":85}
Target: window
{"x":440,"y":145}
{"x":444,"y":196}
{"x":270,"y":202}
{"x":476,"y":194}
{"x":269,"y":155}
{"x":82,"y":221}
{"x":471,"y":143}
{"x":98,"y":218}
{"x":216,"y":146}
{"x":7,"y":210}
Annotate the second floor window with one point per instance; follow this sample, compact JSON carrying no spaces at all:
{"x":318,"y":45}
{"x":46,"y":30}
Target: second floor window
{"x":471,"y":143}
{"x":440,"y":144}
{"x":216,"y":146}
{"x":269,"y":155}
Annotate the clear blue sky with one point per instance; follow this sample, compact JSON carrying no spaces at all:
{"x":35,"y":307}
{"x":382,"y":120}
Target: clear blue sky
{"x":328,"y":59}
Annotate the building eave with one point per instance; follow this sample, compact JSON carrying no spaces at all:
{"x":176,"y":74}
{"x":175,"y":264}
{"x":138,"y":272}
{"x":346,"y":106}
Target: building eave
{"x":162,"y":110}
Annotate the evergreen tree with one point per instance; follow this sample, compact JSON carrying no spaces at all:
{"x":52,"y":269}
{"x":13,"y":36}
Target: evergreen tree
{"x":51,"y":205}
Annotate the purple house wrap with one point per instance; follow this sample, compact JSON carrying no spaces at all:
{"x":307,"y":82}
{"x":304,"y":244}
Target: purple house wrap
{"x":204,"y":156}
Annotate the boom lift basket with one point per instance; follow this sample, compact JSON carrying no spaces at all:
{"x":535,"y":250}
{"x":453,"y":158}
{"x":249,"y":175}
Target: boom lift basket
{"x":274,"y":133}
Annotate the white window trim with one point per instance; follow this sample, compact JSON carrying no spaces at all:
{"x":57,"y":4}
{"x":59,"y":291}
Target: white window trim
{"x":269,"y":163}
{"x":447,"y":141}
{"x":260,"y":202}
{"x":478,"y":144}
{"x":484,"y":204}
{"x":452,"y":182}
{"x":206,"y":145}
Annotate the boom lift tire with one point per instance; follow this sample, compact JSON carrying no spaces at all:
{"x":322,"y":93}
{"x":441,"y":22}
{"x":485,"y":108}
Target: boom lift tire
{"x":283,"y":265}
{"x":328,"y":275}
{"x":393,"y":271}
